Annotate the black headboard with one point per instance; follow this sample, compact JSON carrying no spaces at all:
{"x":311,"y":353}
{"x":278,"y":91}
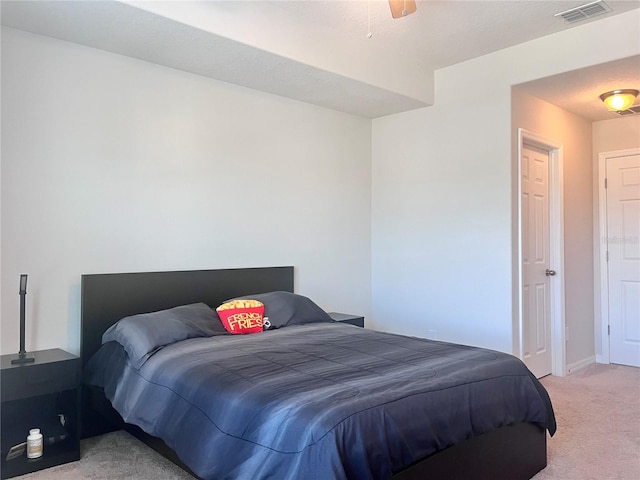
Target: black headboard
{"x":106,"y":298}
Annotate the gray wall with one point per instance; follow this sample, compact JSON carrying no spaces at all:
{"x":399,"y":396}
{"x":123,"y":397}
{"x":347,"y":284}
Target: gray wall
{"x":111,"y":164}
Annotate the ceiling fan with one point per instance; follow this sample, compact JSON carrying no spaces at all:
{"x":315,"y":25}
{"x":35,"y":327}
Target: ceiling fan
{"x":402,"y":8}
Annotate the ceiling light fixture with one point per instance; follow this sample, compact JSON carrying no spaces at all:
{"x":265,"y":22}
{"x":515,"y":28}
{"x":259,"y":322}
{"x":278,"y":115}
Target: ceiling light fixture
{"x":402,"y":8}
{"x":619,"y":100}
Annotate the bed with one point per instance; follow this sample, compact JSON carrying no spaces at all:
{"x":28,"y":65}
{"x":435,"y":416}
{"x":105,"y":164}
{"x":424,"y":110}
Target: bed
{"x":351,"y":403}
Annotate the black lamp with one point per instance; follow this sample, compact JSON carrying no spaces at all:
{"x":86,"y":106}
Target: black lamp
{"x":22,"y":354}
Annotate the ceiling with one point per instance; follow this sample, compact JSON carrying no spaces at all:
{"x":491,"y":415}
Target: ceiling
{"x":579,"y":91}
{"x":318,"y":51}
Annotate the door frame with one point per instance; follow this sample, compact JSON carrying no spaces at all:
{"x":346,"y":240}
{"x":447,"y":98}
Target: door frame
{"x":601,"y":274}
{"x":556,"y":247}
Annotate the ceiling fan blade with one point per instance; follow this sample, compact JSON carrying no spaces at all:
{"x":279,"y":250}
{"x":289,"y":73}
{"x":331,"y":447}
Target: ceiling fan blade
{"x":402,"y":8}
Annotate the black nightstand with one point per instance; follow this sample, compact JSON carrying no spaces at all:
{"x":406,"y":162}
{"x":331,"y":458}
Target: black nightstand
{"x":356,"y":320}
{"x":33,"y":395}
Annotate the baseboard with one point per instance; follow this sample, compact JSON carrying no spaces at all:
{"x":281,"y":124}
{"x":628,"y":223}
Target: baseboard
{"x":575,"y":366}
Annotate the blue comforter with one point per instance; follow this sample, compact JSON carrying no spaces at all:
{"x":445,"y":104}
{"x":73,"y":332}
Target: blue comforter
{"x":327,"y":401}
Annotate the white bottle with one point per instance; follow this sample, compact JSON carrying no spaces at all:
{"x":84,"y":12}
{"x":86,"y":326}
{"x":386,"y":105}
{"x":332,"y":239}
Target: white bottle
{"x":34,"y":443}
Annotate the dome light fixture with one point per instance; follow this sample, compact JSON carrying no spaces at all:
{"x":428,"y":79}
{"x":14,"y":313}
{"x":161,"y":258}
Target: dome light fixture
{"x":619,"y":100}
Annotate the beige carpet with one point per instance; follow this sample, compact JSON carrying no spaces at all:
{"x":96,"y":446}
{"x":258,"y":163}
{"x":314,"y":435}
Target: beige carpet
{"x":598,"y":414}
{"x":597,"y":408}
{"x":114,"y":456}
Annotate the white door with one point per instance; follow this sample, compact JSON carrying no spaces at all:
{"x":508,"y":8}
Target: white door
{"x":536,"y":305}
{"x":623,"y":266}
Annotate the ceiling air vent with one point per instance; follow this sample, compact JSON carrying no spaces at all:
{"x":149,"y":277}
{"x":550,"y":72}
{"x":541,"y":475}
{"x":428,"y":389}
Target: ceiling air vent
{"x":585,"y":11}
{"x":630,"y":111}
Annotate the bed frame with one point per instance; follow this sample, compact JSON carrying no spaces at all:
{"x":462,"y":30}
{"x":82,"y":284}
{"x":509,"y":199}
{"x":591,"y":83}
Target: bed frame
{"x":515,"y":452}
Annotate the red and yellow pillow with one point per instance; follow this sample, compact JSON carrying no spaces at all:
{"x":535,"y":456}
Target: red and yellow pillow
{"x":242,"y":316}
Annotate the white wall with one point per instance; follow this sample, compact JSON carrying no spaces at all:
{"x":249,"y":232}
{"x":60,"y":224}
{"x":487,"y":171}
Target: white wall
{"x":574,"y":134}
{"x":443,"y":186}
{"x":622,"y":133}
{"x":110,"y":164}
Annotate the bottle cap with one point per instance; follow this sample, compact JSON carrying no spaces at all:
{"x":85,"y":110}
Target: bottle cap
{"x":34,"y":431}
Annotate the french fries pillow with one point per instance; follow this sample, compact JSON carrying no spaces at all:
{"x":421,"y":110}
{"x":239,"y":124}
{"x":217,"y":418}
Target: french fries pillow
{"x":242,"y":316}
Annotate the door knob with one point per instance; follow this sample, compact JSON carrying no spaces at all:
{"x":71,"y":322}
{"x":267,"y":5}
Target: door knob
{"x":549,"y":273}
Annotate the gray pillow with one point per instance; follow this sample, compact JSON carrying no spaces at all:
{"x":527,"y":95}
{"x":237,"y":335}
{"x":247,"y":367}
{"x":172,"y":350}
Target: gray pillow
{"x":144,"y":334}
{"x":286,"y":308}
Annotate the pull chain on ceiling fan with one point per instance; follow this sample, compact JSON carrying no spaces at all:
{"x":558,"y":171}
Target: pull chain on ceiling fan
{"x":402,"y":8}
